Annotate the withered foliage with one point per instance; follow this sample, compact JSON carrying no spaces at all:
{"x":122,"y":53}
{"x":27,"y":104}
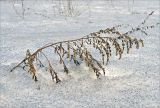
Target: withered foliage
{"x":79,"y":50}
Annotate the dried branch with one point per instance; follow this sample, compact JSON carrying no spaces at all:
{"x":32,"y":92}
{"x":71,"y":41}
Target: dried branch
{"x":78,"y":51}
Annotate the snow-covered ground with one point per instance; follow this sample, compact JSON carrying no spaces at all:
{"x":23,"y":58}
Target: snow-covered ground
{"x":132,"y":82}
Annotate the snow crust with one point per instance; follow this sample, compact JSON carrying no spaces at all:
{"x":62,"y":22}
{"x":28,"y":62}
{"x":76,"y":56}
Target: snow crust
{"x":132,"y":82}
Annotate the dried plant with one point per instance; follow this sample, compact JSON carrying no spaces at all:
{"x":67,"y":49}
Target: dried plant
{"x":79,"y":50}
{"x":22,"y":13}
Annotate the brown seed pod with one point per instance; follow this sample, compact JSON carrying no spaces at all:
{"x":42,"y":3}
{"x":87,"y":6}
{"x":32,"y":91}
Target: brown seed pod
{"x":123,"y":44}
{"x":68,"y":52}
{"x":74,"y":54}
{"x":136,"y":43}
{"x":82,"y":42}
{"x":141,"y":41}
{"x":60,"y":47}
{"x":103,"y":58}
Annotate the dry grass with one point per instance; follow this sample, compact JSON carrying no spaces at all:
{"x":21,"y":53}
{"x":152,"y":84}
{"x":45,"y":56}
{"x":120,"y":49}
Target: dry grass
{"x":76,"y":50}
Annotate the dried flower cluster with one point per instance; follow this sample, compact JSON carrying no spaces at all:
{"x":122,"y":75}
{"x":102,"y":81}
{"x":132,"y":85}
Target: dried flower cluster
{"x":78,"y":50}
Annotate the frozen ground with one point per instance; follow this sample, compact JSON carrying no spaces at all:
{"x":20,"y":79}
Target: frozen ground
{"x":132,"y":82}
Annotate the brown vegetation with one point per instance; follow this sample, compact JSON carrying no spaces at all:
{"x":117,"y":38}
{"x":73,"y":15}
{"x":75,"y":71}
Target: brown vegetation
{"x":77,"y":50}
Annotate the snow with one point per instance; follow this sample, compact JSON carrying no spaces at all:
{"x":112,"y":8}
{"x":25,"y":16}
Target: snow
{"x":132,"y":82}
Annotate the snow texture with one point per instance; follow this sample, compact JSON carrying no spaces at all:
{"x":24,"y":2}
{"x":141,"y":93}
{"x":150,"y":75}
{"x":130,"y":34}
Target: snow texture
{"x":132,"y":82}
